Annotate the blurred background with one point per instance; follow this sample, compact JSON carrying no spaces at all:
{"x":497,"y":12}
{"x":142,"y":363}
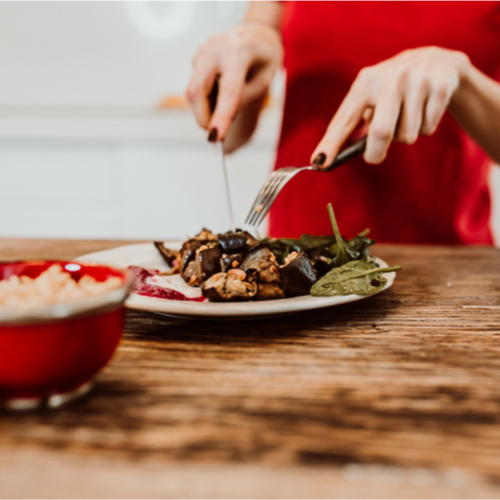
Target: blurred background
{"x":96,"y":139}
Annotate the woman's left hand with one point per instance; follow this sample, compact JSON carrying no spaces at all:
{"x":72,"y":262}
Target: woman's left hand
{"x":399,"y":99}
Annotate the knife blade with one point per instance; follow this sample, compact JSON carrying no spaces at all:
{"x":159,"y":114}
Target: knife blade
{"x":212,"y":99}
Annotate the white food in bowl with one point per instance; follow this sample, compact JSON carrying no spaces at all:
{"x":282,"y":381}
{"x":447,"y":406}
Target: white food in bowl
{"x":51,"y":287}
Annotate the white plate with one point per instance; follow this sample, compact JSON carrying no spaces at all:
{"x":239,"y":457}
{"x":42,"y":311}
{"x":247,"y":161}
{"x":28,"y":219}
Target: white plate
{"x":145,"y":255}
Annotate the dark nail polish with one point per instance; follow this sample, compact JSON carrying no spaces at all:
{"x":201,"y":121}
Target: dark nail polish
{"x":319,"y":160}
{"x":212,"y":137}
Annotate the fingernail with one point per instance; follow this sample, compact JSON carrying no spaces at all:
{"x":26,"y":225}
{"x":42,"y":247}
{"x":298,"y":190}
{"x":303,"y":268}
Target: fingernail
{"x":212,"y":137}
{"x":319,"y":160}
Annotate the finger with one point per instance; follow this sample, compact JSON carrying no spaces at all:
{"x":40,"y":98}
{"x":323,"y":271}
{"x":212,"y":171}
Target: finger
{"x":435,"y":108}
{"x":231,"y":85}
{"x":257,"y":86}
{"x":346,"y":119}
{"x":382,"y":127}
{"x":412,"y":113}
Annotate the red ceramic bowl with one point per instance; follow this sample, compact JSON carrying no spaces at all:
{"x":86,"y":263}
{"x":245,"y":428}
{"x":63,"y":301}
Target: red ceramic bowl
{"x":50,"y":354}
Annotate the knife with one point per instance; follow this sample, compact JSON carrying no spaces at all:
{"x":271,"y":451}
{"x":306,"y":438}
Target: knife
{"x":212,"y":99}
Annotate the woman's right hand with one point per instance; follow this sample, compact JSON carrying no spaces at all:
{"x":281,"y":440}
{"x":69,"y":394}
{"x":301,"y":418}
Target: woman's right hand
{"x":245,"y":60}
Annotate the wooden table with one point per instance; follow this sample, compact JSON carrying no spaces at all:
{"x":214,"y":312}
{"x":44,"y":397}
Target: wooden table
{"x":396,"y":395}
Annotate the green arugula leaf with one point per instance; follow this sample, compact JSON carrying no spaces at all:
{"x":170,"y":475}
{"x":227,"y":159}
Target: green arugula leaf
{"x":356,"y":277}
{"x":344,"y":252}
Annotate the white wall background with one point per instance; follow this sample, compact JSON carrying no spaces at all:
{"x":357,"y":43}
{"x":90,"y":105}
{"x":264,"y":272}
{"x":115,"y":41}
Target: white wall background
{"x":106,"y":54}
{"x":84,"y":149}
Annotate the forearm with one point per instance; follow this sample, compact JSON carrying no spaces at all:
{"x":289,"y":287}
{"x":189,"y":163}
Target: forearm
{"x":245,"y":122}
{"x":476,"y":108}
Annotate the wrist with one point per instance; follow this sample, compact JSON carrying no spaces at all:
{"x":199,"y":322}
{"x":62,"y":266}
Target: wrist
{"x":263,"y":23}
{"x":464,"y":68}
{"x":465,"y":72}
{"x":267,"y":14}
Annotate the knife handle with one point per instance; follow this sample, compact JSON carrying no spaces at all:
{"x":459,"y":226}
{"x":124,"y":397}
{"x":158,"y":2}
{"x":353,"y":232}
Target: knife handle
{"x":347,"y":154}
{"x":212,"y":97}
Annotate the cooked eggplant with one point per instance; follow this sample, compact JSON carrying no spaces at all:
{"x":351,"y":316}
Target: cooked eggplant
{"x":230,"y":261}
{"x":251,"y":241}
{"x":189,"y":247}
{"x":233,"y":242}
{"x":237,"y":242}
{"x":169,"y":256}
{"x":229,"y":287}
{"x":321,"y":264}
{"x":188,"y":252}
{"x":270,"y":291}
{"x":261,"y":264}
{"x":298,"y":274}
{"x":264,"y":262}
{"x":190,"y":274}
{"x":208,"y":261}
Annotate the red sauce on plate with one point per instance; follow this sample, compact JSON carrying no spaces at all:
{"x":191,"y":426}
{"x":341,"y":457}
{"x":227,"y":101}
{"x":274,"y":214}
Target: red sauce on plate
{"x":147,"y":290}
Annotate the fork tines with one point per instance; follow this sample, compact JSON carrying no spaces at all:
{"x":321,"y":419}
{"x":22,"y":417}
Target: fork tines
{"x":268,"y":194}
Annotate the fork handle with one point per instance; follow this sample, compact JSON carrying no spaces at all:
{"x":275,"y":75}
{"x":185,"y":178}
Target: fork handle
{"x":347,"y":154}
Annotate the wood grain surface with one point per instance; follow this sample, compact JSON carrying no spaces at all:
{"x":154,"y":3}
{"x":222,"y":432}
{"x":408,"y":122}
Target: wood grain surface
{"x":396,"y":385}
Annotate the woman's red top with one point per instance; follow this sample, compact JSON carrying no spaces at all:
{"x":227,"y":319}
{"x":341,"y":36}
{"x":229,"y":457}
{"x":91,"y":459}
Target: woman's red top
{"x":435,"y":191}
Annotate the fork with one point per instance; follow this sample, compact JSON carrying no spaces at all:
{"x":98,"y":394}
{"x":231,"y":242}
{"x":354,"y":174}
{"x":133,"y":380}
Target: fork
{"x":280,"y":177}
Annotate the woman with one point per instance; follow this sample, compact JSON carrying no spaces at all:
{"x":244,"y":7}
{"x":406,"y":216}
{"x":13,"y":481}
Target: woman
{"x":414,"y":73}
